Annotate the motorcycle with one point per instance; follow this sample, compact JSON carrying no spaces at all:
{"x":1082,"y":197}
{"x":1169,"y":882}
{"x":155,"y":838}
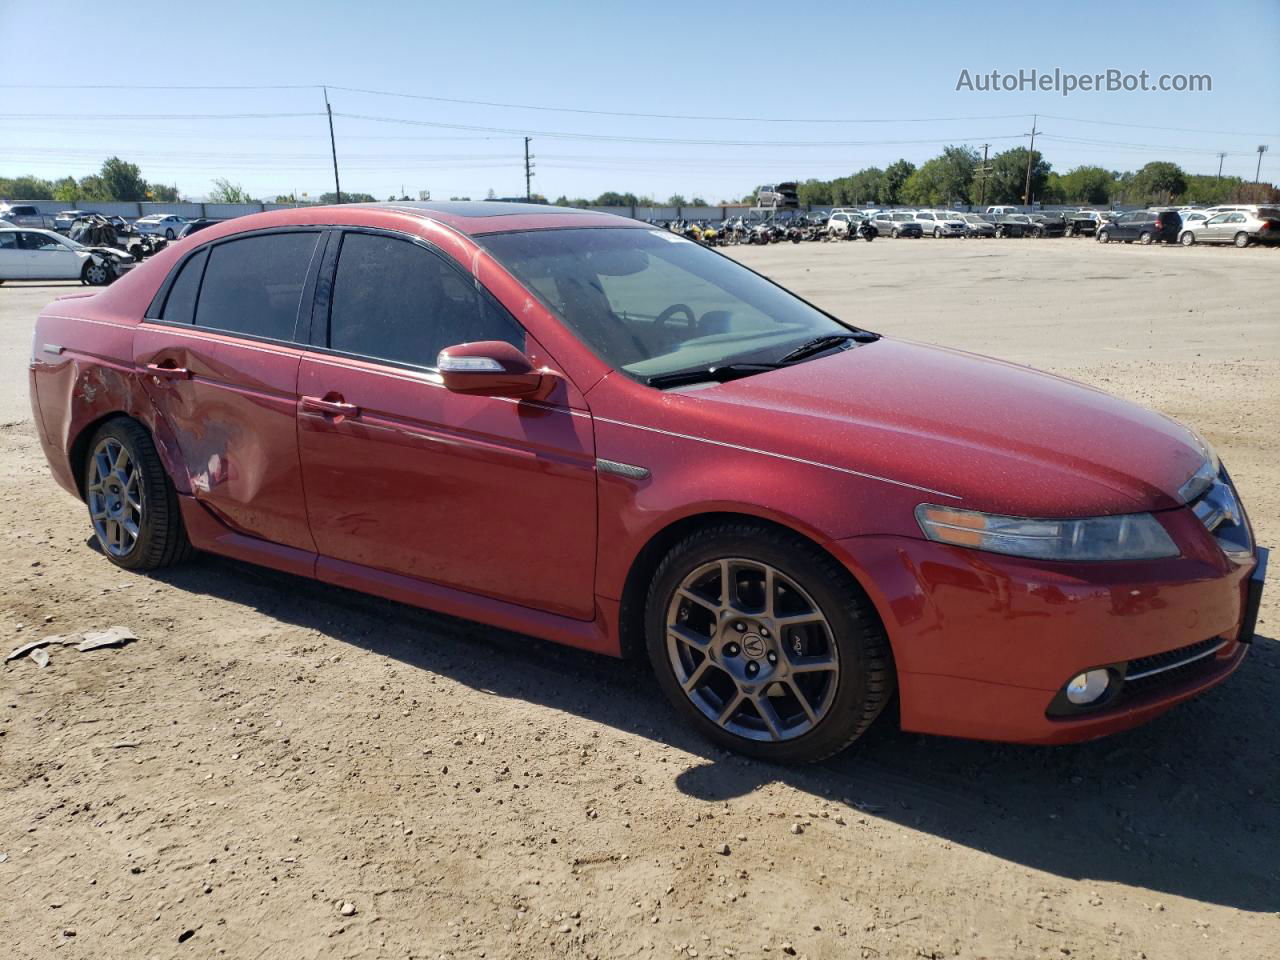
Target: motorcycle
{"x":866,"y":230}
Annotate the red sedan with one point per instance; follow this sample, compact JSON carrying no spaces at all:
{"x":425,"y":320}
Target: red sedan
{"x":585,"y":429}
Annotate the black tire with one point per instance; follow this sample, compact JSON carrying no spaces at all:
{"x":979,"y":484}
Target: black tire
{"x":1187,"y":239}
{"x":895,"y":233}
{"x":96,"y":274}
{"x":1242,"y":239}
{"x":168,"y":234}
{"x":1146,"y":238}
{"x":162,"y":538}
{"x":1069,"y":232}
{"x":999,"y":233}
{"x":1103,"y":236}
{"x":866,"y":680}
{"x":937,"y":233}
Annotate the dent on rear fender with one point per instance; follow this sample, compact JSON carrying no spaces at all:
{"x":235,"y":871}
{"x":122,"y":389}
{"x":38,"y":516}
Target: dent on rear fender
{"x":75,"y":395}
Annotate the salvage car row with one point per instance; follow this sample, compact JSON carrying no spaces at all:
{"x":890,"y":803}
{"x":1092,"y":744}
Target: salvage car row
{"x":1239,"y":225}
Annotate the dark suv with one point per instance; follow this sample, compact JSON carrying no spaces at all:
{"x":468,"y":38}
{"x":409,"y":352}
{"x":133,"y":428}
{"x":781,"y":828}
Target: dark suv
{"x":1145,"y":226}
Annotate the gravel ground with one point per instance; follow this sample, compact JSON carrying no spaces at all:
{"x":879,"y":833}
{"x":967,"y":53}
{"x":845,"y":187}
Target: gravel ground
{"x":278,"y":769}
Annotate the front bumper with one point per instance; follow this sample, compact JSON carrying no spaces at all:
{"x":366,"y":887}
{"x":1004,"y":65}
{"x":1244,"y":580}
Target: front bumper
{"x":985,"y":643}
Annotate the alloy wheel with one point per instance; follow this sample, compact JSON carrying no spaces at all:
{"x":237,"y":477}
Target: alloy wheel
{"x":116,"y":498}
{"x":96,"y":274}
{"x":751,"y":649}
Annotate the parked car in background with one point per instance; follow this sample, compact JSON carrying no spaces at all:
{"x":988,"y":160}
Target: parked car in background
{"x":1237,"y":226}
{"x":25,"y":215}
{"x":167,"y":225}
{"x":940,"y":223}
{"x":62,"y":221}
{"x":1047,"y":225}
{"x":898,"y":224}
{"x":841,"y":222}
{"x":999,"y":212}
{"x":976,"y":225}
{"x":1145,"y":226}
{"x":1193,"y":218}
{"x":1014,"y":225}
{"x":195,"y":226}
{"x":30,"y":254}
{"x":565,"y":424}
{"x":778,"y":195}
{"x":1082,"y":223}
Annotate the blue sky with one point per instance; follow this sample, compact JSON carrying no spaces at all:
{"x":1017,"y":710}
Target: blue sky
{"x":897,"y":63}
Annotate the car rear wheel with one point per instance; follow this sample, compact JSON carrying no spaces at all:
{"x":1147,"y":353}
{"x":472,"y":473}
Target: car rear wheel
{"x":1187,"y":239}
{"x":1103,"y":237}
{"x":96,"y":274}
{"x":1146,"y":237}
{"x":1242,"y":239}
{"x":133,"y":506}
{"x":168,"y":234}
{"x":895,"y":233}
{"x":765,"y":644}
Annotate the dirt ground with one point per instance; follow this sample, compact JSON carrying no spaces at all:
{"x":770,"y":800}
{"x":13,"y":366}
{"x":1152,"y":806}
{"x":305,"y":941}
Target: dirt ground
{"x":271,"y":749}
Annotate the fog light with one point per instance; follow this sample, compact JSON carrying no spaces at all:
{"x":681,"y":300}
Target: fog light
{"x":1088,"y":687}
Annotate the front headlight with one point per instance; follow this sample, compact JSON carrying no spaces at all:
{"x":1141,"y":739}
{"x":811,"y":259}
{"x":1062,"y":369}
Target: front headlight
{"x":1134,"y":536}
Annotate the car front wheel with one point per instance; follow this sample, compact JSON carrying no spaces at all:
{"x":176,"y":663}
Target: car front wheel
{"x":765,"y":644}
{"x":1103,"y":237}
{"x":96,"y":274}
{"x":133,"y":506}
{"x":168,"y":234}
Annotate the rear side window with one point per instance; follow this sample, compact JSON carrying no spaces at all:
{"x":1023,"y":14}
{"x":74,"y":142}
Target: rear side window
{"x":180,"y":306}
{"x":8,"y":241}
{"x":253,"y":285}
{"x":398,"y":301}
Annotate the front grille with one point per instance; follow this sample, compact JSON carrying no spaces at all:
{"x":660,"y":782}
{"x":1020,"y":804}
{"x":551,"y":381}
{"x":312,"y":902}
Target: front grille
{"x":1171,"y":667}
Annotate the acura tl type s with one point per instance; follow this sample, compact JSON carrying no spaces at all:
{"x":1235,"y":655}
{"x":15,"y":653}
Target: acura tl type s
{"x":575,"y":426}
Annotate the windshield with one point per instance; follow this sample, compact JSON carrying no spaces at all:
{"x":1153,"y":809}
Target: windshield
{"x":902,"y":217}
{"x":650,"y":303}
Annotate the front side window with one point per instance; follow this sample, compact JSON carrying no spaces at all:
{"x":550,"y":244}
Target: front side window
{"x":651,"y":303}
{"x":8,"y":241}
{"x":253,"y":285}
{"x":396,"y":300}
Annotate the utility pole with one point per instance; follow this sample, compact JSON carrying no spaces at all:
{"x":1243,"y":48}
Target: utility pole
{"x":982,"y":176}
{"x":1257,"y":175}
{"x":528,"y":171}
{"x":1026,"y":192}
{"x":333,"y":147}
{"x":1221,"y":157}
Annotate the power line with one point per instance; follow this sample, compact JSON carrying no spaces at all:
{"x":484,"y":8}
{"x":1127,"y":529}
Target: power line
{"x":563,"y":135}
{"x":1147,"y":126}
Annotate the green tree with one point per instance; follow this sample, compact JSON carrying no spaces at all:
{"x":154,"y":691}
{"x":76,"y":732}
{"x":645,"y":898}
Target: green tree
{"x":816,"y":192}
{"x":224,"y":191}
{"x":1008,"y":176}
{"x":122,"y":181}
{"x":1087,"y":184}
{"x":346,"y":198}
{"x":26,"y":188}
{"x":67,"y":189}
{"x":943,"y":180}
{"x":895,"y":177}
{"x":863,"y":187}
{"x":698,"y":202}
{"x":162,"y":193}
{"x":677,"y":200}
{"x":612,"y":199}
{"x":1159,"y":182}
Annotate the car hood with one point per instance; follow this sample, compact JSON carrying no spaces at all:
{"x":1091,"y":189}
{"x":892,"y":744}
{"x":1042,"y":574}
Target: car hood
{"x":995,"y":435}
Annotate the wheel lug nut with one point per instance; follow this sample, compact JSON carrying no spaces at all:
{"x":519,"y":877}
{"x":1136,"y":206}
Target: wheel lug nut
{"x":731,"y":649}
{"x":753,"y":668}
{"x":773,"y":657}
{"x":740,"y":627}
{"x":764,"y":631}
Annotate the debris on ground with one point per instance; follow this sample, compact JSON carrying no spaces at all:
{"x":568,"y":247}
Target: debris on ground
{"x":111,"y":637}
{"x":40,"y":657}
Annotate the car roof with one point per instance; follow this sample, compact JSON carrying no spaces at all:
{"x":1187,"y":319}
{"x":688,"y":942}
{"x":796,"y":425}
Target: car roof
{"x":472,"y":218}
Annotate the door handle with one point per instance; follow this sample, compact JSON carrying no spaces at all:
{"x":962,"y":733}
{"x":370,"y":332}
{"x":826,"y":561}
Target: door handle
{"x":331,"y":405}
{"x":168,"y":370}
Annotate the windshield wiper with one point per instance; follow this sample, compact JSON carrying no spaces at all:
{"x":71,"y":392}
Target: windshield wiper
{"x":819,"y":344}
{"x":716,"y":374}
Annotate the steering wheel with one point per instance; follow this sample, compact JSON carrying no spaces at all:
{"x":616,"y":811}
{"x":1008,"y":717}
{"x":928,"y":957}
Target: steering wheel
{"x":672,"y":310}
